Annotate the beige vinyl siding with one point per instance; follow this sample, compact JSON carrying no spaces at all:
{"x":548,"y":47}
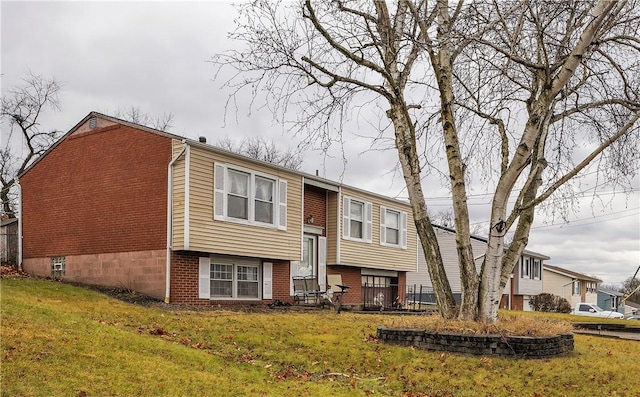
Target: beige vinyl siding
{"x":178,"y":198}
{"x":557,"y":284}
{"x":223,"y":237}
{"x":373,"y":255}
{"x":333,"y":228}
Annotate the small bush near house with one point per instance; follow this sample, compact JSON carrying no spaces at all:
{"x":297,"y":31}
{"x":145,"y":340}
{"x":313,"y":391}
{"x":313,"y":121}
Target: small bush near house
{"x":550,"y":303}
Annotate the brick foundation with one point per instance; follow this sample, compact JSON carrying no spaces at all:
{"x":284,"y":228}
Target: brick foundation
{"x":184,"y":283}
{"x":140,"y":271}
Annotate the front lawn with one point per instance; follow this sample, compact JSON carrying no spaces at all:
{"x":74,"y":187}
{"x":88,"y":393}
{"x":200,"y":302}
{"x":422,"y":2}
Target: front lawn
{"x":61,"y":340}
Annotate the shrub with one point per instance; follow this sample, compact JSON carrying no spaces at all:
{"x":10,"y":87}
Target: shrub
{"x":550,"y":303}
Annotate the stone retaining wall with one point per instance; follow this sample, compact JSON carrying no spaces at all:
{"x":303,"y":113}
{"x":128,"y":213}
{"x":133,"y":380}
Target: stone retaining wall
{"x":479,"y":345}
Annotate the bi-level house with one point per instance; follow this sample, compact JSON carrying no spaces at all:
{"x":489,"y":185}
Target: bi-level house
{"x":118,"y":204}
{"x":573,"y":286}
{"x":524,"y":283}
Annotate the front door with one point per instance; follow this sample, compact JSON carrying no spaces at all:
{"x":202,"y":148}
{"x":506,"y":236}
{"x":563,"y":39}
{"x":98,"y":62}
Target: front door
{"x":308,"y":264}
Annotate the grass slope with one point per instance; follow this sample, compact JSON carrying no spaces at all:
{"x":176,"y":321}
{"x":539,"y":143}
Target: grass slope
{"x":60,"y":340}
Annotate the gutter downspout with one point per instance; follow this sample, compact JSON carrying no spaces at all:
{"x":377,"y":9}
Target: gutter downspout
{"x":340,"y":220}
{"x":167,"y":293}
{"x":19,"y":259}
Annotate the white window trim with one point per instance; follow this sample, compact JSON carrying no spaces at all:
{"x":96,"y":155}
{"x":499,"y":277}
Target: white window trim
{"x":366,"y":220}
{"x":537,"y":269}
{"x":402,"y":228}
{"x":221,"y":192}
{"x":204,"y":289}
{"x":573,"y":288}
{"x":525,"y":267}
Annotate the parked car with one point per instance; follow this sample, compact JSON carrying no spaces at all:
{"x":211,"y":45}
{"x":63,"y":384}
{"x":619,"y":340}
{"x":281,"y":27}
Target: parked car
{"x":632,"y":317}
{"x":593,"y":310}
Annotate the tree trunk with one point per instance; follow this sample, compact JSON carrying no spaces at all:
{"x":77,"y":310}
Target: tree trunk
{"x":406,"y":146}
{"x":490,"y":291}
{"x":442,"y":62}
{"x":6,"y":204}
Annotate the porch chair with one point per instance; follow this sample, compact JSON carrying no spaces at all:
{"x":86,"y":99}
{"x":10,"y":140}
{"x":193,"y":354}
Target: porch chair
{"x":306,"y":289}
{"x":335,"y":290}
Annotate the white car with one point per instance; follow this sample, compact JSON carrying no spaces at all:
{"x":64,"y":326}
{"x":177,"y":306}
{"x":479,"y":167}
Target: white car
{"x":593,"y":310}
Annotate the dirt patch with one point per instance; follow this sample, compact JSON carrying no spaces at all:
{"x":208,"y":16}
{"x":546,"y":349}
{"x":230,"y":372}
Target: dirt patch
{"x":125,"y":295}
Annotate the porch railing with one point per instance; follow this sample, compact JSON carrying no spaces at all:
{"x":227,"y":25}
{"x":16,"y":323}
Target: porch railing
{"x":397,"y":297}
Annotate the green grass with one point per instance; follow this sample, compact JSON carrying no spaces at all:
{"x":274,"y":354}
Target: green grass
{"x":61,"y":340}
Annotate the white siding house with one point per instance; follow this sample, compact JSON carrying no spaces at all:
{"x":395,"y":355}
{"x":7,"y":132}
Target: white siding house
{"x":525,"y":282}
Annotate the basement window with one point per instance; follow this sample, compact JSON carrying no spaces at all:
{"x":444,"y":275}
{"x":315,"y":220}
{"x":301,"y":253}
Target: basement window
{"x":58,"y":265}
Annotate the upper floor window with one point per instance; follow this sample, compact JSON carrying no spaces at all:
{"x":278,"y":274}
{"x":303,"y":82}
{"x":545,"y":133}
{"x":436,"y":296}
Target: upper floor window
{"x":356,"y":223}
{"x":246,"y":196}
{"x":530,"y":268}
{"x":238,"y":195}
{"x":537,"y":269}
{"x":264,"y":199}
{"x":525,"y":268}
{"x":356,"y":219}
{"x":393,"y":227}
{"x":576,"y":287}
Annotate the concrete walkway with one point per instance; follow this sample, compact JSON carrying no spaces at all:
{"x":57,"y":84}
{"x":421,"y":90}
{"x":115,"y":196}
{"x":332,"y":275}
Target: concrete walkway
{"x":609,"y":334}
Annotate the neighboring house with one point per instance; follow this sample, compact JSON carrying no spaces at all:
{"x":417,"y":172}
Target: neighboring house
{"x":525,"y":282}
{"x":574,"y":287}
{"x":631,"y":307}
{"x":118,"y":204}
{"x":9,"y":240}
{"x":609,"y":299}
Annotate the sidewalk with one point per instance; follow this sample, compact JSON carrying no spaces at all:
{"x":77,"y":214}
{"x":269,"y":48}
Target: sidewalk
{"x":609,"y":334}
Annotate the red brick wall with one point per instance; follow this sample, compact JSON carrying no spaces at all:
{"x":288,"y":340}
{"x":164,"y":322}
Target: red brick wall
{"x":351,"y":276}
{"x":184,"y":278}
{"x":184,"y":282}
{"x":99,"y":191}
{"x":315,"y":204}
{"x":281,"y":283}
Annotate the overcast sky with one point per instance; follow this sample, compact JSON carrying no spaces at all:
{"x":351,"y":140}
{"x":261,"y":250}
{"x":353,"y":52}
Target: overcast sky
{"x":154,"y":56}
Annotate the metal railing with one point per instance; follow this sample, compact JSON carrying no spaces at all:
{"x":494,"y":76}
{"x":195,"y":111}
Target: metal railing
{"x":397,"y":297}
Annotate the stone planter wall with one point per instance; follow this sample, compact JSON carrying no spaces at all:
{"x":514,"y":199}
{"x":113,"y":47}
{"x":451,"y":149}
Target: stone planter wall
{"x":479,"y":345}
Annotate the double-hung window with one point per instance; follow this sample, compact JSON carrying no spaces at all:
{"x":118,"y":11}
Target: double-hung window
{"x":246,"y":196}
{"x":238,"y":194}
{"x":356,"y":219}
{"x":393,"y":227}
{"x":264,"y":194}
{"x":247,"y":281}
{"x":356,"y":223}
{"x":576,"y":287}
{"x":223,"y":278}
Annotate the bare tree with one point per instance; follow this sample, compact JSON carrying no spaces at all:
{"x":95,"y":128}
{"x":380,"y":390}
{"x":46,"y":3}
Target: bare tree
{"x":22,"y":107}
{"x":630,"y":287}
{"x":135,"y":115}
{"x":501,"y":90}
{"x":262,"y":149}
